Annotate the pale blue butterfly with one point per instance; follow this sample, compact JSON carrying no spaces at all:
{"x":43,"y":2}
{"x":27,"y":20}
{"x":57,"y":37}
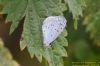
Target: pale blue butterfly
{"x":52,"y":28}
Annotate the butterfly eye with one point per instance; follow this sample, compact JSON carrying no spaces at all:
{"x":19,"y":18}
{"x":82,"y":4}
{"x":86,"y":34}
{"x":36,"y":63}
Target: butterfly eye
{"x":52,"y":28}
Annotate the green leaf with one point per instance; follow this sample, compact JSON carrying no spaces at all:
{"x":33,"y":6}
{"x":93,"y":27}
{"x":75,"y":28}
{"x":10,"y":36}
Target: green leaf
{"x":32,"y":26}
{"x":92,"y":20}
{"x":76,"y":7}
{"x":92,"y":26}
{"x":75,"y":24}
{"x":59,"y":50}
{"x":6,"y":57}
{"x":62,"y":40}
{"x":15,"y":10}
{"x":53,"y":59}
{"x":31,"y":51}
{"x":23,"y":44}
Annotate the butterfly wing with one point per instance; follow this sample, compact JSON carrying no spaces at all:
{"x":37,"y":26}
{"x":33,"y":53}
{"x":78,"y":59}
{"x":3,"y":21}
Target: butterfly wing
{"x":52,"y":28}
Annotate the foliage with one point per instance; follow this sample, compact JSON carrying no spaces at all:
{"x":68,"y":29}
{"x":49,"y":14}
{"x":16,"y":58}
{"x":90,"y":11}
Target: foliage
{"x":92,"y":20}
{"x":84,"y":44}
{"x":35,"y":11}
{"x":76,"y":7}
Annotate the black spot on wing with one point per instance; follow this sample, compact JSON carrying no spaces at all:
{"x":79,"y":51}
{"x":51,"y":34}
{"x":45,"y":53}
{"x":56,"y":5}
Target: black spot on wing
{"x":60,"y":24}
{"x":61,"y":28}
{"x":52,"y":25}
{"x":56,"y":30}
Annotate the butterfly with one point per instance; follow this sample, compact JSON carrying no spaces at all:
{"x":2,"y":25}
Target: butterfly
{"x":52,"y":28}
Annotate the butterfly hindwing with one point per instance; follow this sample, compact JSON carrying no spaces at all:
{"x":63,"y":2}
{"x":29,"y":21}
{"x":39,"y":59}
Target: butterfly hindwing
{"x":52,"y":28}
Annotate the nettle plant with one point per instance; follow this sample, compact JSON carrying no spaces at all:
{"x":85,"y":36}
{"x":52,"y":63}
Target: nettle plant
{"x":38,"y":16}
